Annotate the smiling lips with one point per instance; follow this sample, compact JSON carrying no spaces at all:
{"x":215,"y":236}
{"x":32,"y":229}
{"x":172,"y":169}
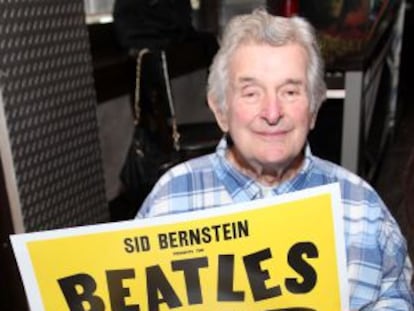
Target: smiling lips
{"x":273,"y":133}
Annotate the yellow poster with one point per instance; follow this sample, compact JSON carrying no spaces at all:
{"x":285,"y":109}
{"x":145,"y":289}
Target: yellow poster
{"x":284,"y":253}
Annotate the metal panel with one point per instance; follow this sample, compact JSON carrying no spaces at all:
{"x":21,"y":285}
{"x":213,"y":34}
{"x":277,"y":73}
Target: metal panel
{"x":49,"y":106}
{"x":351,"y":127}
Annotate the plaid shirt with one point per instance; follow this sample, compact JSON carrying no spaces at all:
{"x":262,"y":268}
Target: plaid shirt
{"x":379,"y":270}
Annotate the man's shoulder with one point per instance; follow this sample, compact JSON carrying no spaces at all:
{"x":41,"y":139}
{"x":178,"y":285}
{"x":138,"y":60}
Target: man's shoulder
{"x":194,"y":175}
{"x":353,"y":187}
{"x":362,"y":205}
{"x":334,"y":171}
{"x":188,"y":186}
{"x":198,"y":167}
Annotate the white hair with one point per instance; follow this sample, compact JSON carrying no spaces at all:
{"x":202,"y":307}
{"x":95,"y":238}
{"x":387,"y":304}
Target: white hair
{"x":261,"y":27}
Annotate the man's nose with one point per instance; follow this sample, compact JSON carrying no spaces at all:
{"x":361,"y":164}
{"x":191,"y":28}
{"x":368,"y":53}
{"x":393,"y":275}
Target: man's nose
{"x":272,"y":110}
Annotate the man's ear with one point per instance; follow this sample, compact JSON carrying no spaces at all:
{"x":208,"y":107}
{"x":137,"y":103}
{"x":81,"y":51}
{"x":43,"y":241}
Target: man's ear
{"x":314,"y":116}
{"x":219,"y":113}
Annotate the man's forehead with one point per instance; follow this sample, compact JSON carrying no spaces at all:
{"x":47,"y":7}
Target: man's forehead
{"x":247,"y":80}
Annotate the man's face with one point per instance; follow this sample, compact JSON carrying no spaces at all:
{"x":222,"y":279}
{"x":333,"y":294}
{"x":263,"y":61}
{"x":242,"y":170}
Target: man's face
{"x":268,"y":115}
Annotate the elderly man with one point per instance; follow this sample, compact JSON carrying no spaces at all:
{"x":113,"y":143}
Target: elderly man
{"x":265,"y":88}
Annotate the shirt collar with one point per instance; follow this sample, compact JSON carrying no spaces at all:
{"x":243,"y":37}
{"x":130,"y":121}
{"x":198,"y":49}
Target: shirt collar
{"x":243,"y":188}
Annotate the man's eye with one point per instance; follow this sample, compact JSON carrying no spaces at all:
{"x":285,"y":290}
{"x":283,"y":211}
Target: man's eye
{"x":290,"y":93}
{"x":250,"y":94}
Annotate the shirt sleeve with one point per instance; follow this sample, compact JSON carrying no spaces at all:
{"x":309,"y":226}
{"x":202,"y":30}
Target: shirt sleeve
{"x":153,"y":205}
{"x":395,"y":291}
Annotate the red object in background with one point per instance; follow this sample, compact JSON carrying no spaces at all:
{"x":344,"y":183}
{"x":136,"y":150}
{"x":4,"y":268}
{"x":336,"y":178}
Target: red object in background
{"x":283,"y":7}
{"x":290,"y":7}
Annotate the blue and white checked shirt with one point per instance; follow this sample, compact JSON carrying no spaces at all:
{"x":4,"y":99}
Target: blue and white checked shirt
{"x":379,"y":270}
